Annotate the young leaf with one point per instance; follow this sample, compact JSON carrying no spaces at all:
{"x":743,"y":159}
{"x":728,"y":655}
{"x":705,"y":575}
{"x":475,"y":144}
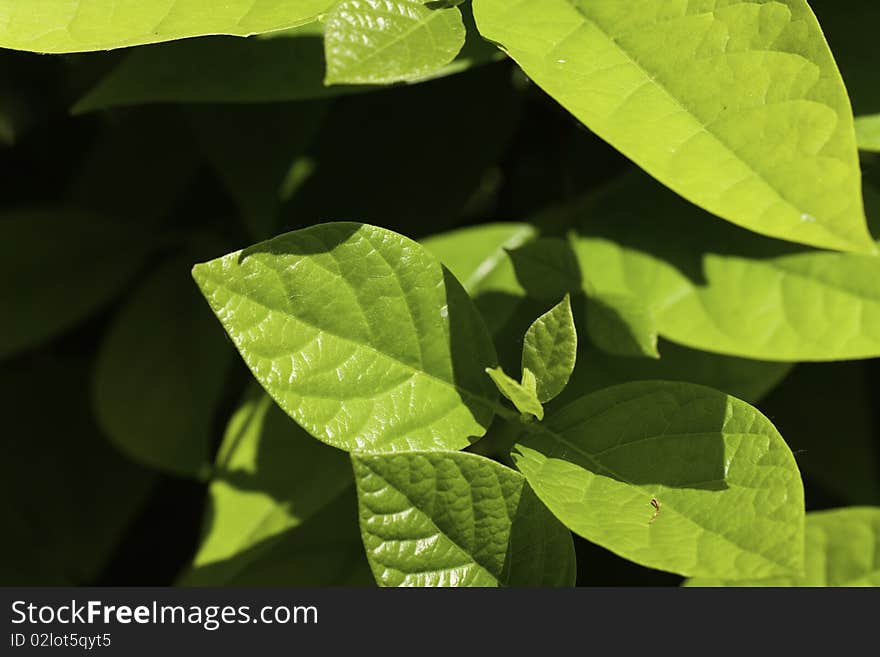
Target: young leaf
{"x":524,"y":396}
{"x":721,"y":289}
{"x":385,"y":41}
{"x":57,"y":26}
{"x":360,"y":335}
{"x":739,"y":107}
{"x":550,"y":349}
{"x":621,"y":325}
{"x":270,"y":477}
{"x":672,"y":476}
{"x":57,"y":267}
{"x":842,"y":549}
{"x":456,"y":519}
{"x":326,"y":550}
{"x":160,"y":374}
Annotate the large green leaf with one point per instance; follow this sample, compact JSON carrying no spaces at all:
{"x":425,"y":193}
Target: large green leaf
{"x":360,"y":335}
{"x":736,"y":105}
{"x":384,"y":41}
{"x":57,"y":267}
{"x":270,"y":477}
{"x":457,"y":519}
{"x":672,"y":476}
{"x":56,"y":26}
{"x":66,"y":496}
{"x":161,"y":372}
{"x":326,"y":550}
{"x":842,"y":549}
{"x":722,"y":289}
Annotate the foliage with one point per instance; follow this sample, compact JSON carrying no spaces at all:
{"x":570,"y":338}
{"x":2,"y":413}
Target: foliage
{"x":517,"y":288}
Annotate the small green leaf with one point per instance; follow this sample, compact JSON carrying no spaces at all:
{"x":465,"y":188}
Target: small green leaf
{"x":737,"y":106}
{"x":672,"y":476}
{"x":550,"y":349}
{"x":457,"y":519}
{"x":58,"y":267}
{"x":57,"y":26}
{"x":160,"y":374}
{"x":270,"y":477}
{"x":385,"y":41}
{"x":723,"y":289}
{"x":360,"y":335}
{"x":868,"y":132}
{"x":521,"y":395}
{"x":842,"y":549}
{"x":621,"y":325}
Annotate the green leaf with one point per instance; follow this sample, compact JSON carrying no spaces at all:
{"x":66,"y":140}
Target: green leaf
{"x":835,"y":441}
{"x":550,"y":349}
{"x":326,"y":550}
{"x":621,"y":325}
{"x":160,"y":374}
{"x":360,"y":335}
{"x":270,"y":477}
{"x":255,"y":150}
{"x":721,"y":289}
{"x":842,"y":549}
{"x":738,"y":107}
{"x":67,"y":498}
{"x":57,"y":267}
{"x":385,"y":41}
{"x":868,"y":132}
{"x":672,"y":476}
{"x":57,"y":26}
{"x":457,"y":519}
{"x":523,"y":395}
{"x":547,"y":269}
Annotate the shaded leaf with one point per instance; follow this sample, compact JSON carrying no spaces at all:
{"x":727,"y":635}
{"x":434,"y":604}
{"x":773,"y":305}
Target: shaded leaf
{"x":160,"y":374}
{"x":621,"y":325}
{"x":456,"y":519}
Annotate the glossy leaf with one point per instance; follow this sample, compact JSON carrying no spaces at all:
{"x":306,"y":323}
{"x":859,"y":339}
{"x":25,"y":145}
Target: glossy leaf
{"x":721,"y":289}
{"x":842,"y":549}
{"x":270,"y":477}
{"x":57,"y":267}
{"x":550,"y":349}
{"x":325,"y":550}
{"x":160,"y":374}
{"x":385,"y":41}
{"x":672,"y":476}
{"x":737,"y":106}
{"x":57,"y":26}
{"x":456,"y":519}
{"x":522,"y":395}
{"x":360,"y":335}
